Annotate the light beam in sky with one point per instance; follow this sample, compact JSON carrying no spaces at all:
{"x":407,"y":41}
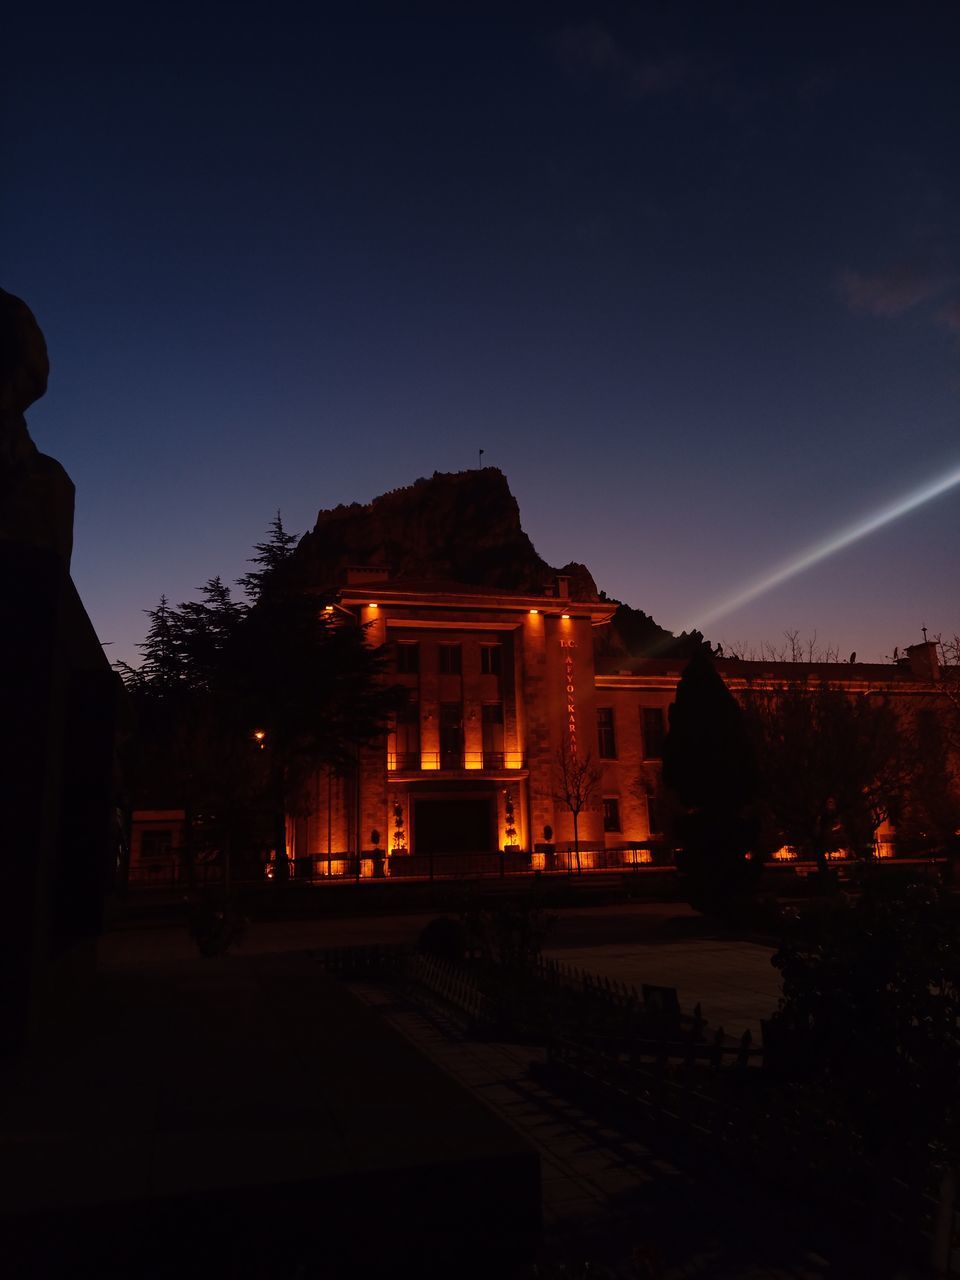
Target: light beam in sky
{"x":830,"y":546}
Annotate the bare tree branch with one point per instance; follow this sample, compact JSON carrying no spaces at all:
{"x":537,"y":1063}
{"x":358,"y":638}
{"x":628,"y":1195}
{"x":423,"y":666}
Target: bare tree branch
{"x":577,"y":781}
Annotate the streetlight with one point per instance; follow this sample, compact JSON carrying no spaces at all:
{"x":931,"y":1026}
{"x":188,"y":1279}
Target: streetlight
{"x":328,"y":612}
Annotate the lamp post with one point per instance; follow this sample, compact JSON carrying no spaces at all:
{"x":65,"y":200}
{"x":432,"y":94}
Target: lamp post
{"x":329,"y":610}
{"x":281,"y":870}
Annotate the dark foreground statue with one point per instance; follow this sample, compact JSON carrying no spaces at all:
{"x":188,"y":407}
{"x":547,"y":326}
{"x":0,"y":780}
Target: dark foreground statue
{"x":59,"y":708}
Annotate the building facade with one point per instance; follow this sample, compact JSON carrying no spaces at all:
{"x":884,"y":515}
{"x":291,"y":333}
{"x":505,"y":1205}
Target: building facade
{"x":505,"y":691}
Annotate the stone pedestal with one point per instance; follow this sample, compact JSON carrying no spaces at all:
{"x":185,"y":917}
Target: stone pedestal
{"x":59,"y":710}
{"x":57,"y":730}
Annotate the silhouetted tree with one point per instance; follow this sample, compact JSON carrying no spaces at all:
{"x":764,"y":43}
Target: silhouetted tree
{"x":177,"y":747}
{"x":710,"y":771}
{"x":203,"y":630}
{"x":216,"y":670}
{"x":311,"y":685}
{"x":270,"y":556}
{"x":929,"y":815}
{"x":869,"y":1016}
{"x":949,"y":691}
{"x":834,"y":765}
{"x":161,"y":668}
{"x":577,"y":781}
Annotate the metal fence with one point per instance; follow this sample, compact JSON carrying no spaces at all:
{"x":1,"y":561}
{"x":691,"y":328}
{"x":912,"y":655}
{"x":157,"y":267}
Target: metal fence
{"x":555,"y":860}
{"x":172,"y":873}
{"x":713,"y":1106}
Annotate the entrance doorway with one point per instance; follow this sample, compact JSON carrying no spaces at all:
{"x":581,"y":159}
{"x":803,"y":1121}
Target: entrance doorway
{"x":455,"y":824}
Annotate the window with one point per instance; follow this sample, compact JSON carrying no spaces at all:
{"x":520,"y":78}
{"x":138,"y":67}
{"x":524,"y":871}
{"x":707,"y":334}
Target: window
{"x":490,"y":659}
{"x":408,"y":657}
{"x":492,"y":724}
{"x":654,"y":820}
{"x":407,"y":737}
{"x":927,"y":729}
{"x":651,"y":719}
{"x":156,"y":844}
{"x":611,"y":814}
{"x":450,"y":660}
{"x":451,"y":734}
{"x":606,"y":739}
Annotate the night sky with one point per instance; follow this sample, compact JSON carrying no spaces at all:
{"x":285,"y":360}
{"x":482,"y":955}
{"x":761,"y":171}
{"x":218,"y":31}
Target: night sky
{"x":689,"y":274}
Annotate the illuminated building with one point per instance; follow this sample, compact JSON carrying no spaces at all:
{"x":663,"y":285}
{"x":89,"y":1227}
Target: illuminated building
{"x":499,"y":684}
{"x":509,"y":666}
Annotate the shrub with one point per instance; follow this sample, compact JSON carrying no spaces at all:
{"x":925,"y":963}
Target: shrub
{"x":443,"y":938}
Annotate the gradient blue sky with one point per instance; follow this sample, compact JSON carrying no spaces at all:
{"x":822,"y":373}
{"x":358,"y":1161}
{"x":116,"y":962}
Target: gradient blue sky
{"x":688,"y":273}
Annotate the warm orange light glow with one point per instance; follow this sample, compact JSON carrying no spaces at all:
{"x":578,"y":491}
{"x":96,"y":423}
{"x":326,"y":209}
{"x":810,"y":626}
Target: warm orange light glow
{"x":538,"y":861}
{"x":534,"y":610}
{"x":259,"y":735}
{"x":784,"y":854}
{"x":567,"y":859}
{"x":566,"y":616}
{"x":634,"y":857}
{"x":374,"y":605}
{"x":328,"y":608}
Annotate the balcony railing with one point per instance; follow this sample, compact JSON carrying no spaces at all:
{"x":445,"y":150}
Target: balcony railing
{"x":449,"y":761}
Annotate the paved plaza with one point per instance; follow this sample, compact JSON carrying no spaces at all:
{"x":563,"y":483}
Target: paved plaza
{"x":667,"y":944}
{"x":609,"y":1200}
{"x":734,"y":982}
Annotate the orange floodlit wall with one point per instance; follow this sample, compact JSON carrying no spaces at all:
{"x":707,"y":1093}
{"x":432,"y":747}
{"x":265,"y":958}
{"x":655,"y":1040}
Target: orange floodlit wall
{"x":498,"y":685}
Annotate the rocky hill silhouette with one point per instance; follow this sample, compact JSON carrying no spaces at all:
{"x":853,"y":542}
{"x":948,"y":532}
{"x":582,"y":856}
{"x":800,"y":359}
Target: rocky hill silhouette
{"x":462,"y":527}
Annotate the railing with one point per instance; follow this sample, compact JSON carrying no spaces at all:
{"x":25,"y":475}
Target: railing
{"x":714,"y":1103}
{"x":168,"y":872}
{"x":594,"y":856}
{"x":383,"y":960}
{"x":450,"y":761}
{"x":464,"y":866}
{"x":452,"y":985}
{"x":378,"y":867}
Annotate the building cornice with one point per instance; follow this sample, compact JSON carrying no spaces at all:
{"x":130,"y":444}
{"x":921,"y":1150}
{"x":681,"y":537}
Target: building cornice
{"x":391,"y":597}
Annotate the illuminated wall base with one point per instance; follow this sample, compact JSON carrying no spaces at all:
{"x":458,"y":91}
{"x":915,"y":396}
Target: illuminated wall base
{"x":566,"y":860}
{"x":333,"y":868}
{"x":636,"y":857}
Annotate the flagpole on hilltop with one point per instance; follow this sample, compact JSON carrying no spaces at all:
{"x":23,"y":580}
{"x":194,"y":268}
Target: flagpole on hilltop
{"x":480,"y":459}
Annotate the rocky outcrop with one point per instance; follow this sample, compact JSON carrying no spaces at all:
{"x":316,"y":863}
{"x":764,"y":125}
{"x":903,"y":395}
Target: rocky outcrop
{"x":465,"y":528}
{"x":633,"y":634}
{"x":461,"y":527}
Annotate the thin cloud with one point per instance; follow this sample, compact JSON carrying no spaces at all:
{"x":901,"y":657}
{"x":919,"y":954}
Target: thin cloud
{"x":950,"y":316}
{"x":889,"y":293}
{"x":591,"y":50}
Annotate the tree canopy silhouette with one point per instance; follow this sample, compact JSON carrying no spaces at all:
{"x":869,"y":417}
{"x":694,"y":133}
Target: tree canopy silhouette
{"x":710,"y":769}
{"x":216,"y":670}
{"x":834,"y":765}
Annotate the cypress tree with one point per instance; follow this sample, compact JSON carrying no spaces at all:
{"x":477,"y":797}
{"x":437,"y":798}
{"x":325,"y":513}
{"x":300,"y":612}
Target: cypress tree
{"x":709,"y":766}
